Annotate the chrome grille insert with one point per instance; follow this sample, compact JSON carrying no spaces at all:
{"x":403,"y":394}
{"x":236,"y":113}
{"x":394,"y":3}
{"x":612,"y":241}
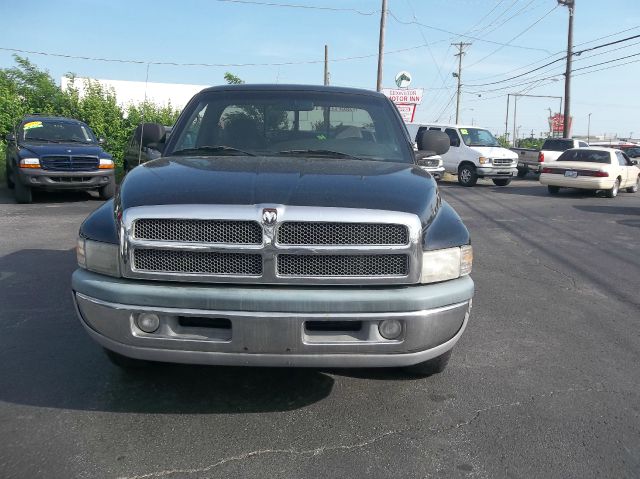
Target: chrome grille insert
{"x":502,"y":161}
{"x":180,"y":261}
{"x":316,"y":233}
{"x":343,"y":265}
{"x":198,"y":231}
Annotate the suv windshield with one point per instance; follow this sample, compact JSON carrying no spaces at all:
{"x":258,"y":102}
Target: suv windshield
{"x":557,"y":145}
{"x":478,"y":137}
{"x":589,"y":156}
{"x":292,"y":123}
{"x":57,"y":131}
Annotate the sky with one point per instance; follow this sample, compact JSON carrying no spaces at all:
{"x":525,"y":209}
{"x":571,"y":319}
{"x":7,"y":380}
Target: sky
{"x":283,"y":44}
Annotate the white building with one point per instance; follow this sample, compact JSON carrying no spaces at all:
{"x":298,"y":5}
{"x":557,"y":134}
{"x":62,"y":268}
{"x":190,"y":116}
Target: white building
{"x":134,"y":92}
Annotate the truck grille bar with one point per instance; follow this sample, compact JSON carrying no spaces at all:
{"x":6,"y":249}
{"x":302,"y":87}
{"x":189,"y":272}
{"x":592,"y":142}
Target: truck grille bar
{"x":302,"y":245}
{"x":69,"y":163}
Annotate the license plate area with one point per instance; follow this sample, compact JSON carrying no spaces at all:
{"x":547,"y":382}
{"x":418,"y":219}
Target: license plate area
{"x":571,"y":174}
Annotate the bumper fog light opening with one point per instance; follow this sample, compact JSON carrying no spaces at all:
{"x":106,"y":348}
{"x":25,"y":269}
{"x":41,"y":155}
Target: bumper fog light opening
{"x":390,"y":328}
{"x":148,"y":322}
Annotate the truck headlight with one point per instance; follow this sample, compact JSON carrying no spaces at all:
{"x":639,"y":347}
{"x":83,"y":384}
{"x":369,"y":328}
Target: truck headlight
{"x":98,"y":257}
{"x":29,"y":163}
{"x":446,"y":264}
{"x":106,"y":164}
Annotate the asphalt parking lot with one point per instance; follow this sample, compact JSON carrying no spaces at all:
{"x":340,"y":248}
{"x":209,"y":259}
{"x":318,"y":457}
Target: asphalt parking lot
{"x":545,"y":382}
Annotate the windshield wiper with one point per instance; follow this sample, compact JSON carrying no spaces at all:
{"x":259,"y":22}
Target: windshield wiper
{"x":42,"y":139}
{"x":213,"y":149}
{"x":327,"y":153}
{"x":69,"y":140}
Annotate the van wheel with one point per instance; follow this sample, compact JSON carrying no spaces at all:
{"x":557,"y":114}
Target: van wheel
{"x":22,"y":193}
{"x":107,"y":191}
{"x":553,"y":190}
{"x":634,"y":188}
{"x":467,"y":175}
{"x":501,"y":182}
{"x":613,"y":192}
{"x":431,"y":367}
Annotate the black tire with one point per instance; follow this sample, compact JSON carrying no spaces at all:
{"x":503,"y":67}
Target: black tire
{"x":613,"y":192}
{"x":553,"y":190}
{"x":501,"y":181}
{"x":22,"y":192}
{"x":467,"y":175}
{"x":7,"y":173}
{"x":431,"y":367}
{"x":522,"y":172}
{"x":125,"y":362}
{"x":634,"y":188}
{"x":107,"y":191}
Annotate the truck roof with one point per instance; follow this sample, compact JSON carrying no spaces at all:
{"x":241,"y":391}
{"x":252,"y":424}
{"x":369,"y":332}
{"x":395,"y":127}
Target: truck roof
{"x":292,"y":87}
{"x":447,"y":125}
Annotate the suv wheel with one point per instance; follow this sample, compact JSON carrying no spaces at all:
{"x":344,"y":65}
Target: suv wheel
{"x":107,"y":191}
{"x":467,"y":175}
{"x":433,"y":366}
{"x":634,"y":188}
{"x":502,"y":181}
{"x":22,"y":192}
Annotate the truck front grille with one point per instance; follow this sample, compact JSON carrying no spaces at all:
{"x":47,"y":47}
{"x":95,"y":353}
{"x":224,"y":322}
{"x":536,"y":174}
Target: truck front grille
{"x":502,"y":161}
{"x":69,"y":163}
{"x":198,"y":231}
{"x":305,"y":245}
{"x":197,"y":262}
{"x":314,"y":233}
{"x":343,"y":265}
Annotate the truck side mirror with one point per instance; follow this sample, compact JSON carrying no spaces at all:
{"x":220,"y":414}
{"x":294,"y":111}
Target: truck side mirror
{"x":150,"y":135}
{"x":433,"y":141}
{"x":10,"y":138}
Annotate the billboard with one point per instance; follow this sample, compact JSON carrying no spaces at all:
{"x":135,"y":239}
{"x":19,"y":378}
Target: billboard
{"x":556,"y":123}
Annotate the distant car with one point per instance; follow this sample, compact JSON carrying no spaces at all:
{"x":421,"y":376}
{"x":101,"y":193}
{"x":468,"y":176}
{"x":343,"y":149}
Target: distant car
{"x":56,"y":153}
{"x":136,"y":155}
{"x":633,"y":152}
{"x":592,"y":169}
{"x":534,"y":160}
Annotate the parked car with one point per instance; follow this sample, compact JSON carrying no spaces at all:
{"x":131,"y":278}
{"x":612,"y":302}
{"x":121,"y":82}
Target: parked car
{"x":474,"y":153}
{"x":55,"y":153}
{"x":633,"y":153}
{"x":534,"y":160}
{"x":592,"y":169}
{"x":278,"y":230}
{"x":136,"y":154}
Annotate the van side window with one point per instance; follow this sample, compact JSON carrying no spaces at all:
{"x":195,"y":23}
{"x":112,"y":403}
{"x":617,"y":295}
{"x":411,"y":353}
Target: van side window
{"x":454,"y":139}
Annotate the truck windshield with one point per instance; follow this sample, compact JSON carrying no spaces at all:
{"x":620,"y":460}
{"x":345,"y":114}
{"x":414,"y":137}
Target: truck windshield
{"x":57,"y":132}
{"x":557,"y":145}
{"x":478,"y":137}
{"x":292,"y":123}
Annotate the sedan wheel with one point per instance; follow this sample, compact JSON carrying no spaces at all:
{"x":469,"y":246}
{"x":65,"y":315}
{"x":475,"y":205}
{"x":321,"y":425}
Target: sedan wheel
{"x":613,"y":192}
{"x":634,"y":188}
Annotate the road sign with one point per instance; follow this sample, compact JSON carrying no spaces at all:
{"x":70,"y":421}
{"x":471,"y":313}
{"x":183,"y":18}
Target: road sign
{"x":404,"y":95}
{"x":407,"y":112}
{"x":556,"y":123}
{"x":403,"y":79}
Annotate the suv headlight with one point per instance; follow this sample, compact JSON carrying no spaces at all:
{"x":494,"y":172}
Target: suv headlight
{"x":98,"y":257}
{"x":446,"y":264}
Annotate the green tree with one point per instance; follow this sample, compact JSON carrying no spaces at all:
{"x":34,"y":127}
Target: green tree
{"x":232,"y":79}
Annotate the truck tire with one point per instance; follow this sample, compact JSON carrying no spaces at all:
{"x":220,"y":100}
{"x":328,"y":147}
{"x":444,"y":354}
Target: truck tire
{"x":107,"y":191}
{"x":522,"y":172}
{"x":634,"y":188}
{"x":431,"y":367}
{"x":125,"y":362}
{"x":613,"y":192}
{"x":467,"y":175}
{"x":7,"y":175}
{"x":501,"y":181}
{"x":553,"y":190}
{"x":22,"y":192}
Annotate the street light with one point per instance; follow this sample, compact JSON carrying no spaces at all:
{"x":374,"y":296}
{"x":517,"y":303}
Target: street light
{"x":589,"y":128}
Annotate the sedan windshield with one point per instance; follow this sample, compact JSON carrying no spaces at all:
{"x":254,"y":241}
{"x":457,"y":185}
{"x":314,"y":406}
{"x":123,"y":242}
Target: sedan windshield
{"x":478,"y":137}
{"x":589,"y":156}
{"x":296,"y":124}
{"x":57,"y":132}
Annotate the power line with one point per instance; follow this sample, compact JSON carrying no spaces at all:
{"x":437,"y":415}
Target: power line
{"x":306,"y":7}
{"x":439,"y":70}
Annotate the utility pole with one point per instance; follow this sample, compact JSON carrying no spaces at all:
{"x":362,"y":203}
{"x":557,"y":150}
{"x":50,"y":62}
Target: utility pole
{"x":460,"y":47}
{"x":571,"y":5}
{"x":589,"y":128}
{"x":515,"y":112}
{"x":326,"y":64}
{"x":383,"y":21}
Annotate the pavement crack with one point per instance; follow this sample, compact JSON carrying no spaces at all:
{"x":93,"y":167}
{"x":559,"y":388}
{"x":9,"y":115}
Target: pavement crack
{"x":261,"y":452}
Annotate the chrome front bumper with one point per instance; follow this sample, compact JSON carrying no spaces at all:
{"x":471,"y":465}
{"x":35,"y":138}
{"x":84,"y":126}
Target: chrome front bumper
{"x":496,"y":171}
{"x":281,"y":338}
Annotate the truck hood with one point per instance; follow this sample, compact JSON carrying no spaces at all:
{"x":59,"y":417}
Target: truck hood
{"x":244,"y":180}
{"x":42,"y":149}
{"x":495,"y":152}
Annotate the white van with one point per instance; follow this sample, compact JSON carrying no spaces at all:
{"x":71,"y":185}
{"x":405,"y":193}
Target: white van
{"x":474,"y":153}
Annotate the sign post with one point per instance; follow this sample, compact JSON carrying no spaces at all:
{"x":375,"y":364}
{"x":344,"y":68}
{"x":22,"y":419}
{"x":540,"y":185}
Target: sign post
{"x":406,"y":99}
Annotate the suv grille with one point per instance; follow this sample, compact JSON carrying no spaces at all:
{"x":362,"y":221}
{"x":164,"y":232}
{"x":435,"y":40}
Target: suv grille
{"x":199,"y":231}
{"x":171,"y":261}
{"x":304,"y":233}
{"x":69,"y":163}
{"x":343,"y":265}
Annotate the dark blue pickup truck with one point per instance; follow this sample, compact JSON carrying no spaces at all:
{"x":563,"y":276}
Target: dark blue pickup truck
{"x":282,"y":225}
{"x":55,"y":153}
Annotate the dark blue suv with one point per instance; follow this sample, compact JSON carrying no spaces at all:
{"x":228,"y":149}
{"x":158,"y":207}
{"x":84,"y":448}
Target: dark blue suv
{"x":56,"y":153}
